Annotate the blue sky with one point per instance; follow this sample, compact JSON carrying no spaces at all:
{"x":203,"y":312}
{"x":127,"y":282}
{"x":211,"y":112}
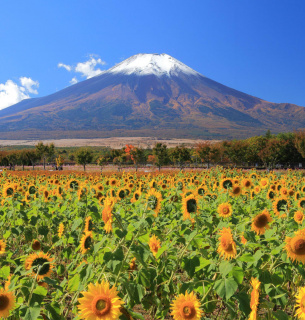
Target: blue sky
{"x":257,"y":46}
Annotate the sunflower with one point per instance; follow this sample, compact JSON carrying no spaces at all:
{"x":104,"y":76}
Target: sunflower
{"x":227,"y":246}
{"x":280,"y":204}
{"x":300,"y":299}
{"x":236,"y":191}
{"x":132,"y":264}
{"x":254,"y":298}
{"x":154,"y":245}
{"x":88,"y":225}
{"x":226,"y":183}
{"x":260,"y":222}
{"x":7,"y":302}
{"x":121,"y":194}
{"x":154,"y":199}
{"x":107,"y":217}
{"x":247,"y":183}
{"x":189,"y":205}
{"x":2,"y":246}
{"x":136,"y":196}
{"x":270,"y":194}
{"x":225,"y":210}
{"x":295,"y":246}
{"x":301,"y":203}
{"x":36,"y":245}
{"x":186,"y":306}
{"x":100,"y":302}
{"x":7,"y":191}
{"x":264,"y":183}
{"x":61,"y":229}
{"x":298,"y":217}
{"x":73,"y":184}
{"x":41,"y":265}
{"x":86,"y":242}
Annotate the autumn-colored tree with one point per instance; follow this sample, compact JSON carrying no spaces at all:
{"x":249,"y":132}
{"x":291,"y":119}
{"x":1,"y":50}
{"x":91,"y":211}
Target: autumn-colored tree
{"x":273,"y":152}
{"x":299,"y":141}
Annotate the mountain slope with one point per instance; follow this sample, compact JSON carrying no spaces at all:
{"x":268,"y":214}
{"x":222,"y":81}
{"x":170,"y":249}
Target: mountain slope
{"x":148,"y":95}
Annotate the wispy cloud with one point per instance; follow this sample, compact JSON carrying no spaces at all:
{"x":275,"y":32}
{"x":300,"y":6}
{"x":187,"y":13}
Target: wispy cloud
{"x":12,"y":93}
{"x":87,"y":69}
{"x":62,"y":65}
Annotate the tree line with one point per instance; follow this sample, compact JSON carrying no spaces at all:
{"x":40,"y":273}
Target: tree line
{"x":268,"y":151}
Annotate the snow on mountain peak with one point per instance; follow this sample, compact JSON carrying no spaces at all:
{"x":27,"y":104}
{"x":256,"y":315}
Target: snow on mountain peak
{"x":157,"y":64}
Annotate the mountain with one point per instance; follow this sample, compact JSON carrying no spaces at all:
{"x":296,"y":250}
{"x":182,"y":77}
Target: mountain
{"x":148,"y":95}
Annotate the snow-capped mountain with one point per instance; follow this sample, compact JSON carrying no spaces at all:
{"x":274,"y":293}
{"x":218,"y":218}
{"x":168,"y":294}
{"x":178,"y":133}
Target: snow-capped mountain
{"x":156,"y":64}
{"x":148,"y":95}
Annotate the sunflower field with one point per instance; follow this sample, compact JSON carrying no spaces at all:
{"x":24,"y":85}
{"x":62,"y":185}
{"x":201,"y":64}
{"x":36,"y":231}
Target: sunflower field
{"x":210,"y":244}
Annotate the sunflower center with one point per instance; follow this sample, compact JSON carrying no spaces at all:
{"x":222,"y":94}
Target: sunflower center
{"x":87,"y":244}
{"x":236,"y":190}
{"x":227,"y":245}
{"x":101,"y":306}
{"x":261,"y":221}
{"x":191,"y":205}
{"x":225,"y":210}
{"x":4,"y":302}
{"x":39,"y":265}
{"x":188,"y":310}
{"x":299,"y":247}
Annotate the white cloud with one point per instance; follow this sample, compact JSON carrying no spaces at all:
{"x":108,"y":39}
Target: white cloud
{"x":87,"y":69}
{"x":67,"y":67}
{"x":74,"y":80}
{"x":28,"y":84}
{"x":12,"y":93}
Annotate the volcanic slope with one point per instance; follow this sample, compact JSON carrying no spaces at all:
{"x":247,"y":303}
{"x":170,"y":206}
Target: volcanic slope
{"x":148,"y":95}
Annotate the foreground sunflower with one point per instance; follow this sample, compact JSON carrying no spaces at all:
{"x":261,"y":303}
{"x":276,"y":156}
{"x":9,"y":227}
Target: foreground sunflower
{"x":300,"y":299}
{"x":261,"y":222}
{"x":186,"y":306}
{"x":61,"y":229}
{"x":154,"y":245}
{"x":227,"y":246}
{"x":225,"y":210}
{"x":86,"y":242}
{"x":41,"y":265}
{"x":189,"y":205}
{"x":298,"y":217}
{"x":100,"y":302}
{"x":254,"y":298}
{"x":7,"y":303}
{"x":295,"y":246}
{"x":2,"y":246}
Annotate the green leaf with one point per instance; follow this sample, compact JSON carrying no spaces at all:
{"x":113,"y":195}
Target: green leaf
{"x":32,"y":313}
{"x":238,"y":274}
{"x":225,"y":288}
{"x":74,"y":283}
{"x":247,"y":257}
{"x":225,"y":267}
{"x":280,"y":315}
{"x":5,"y":272}
{"x":244,"y":303}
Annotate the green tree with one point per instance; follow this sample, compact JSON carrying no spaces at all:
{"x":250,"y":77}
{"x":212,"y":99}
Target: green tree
{"x":84,"y":156}
{"x":180,"y":155}
{"x":45,"y":151}
{"x":160,"y":153}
